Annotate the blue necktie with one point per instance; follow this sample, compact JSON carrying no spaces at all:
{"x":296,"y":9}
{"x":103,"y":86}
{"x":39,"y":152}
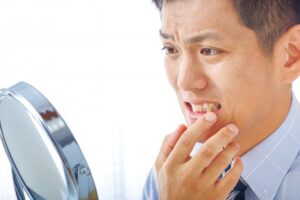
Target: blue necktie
{"x":238,"y":192}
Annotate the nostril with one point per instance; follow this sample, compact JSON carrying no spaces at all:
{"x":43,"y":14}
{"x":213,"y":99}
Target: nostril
{"x":191,"y":81}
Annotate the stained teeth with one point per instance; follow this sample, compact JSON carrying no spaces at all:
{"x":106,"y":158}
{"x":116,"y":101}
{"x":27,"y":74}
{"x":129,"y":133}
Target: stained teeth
{"x":197,"y":108}
{"x":206,"y":107}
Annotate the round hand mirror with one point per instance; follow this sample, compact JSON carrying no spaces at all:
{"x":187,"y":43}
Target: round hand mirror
{"x":46,"y":160}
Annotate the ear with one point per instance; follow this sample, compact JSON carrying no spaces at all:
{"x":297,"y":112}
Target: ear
{"x":290,"y":71}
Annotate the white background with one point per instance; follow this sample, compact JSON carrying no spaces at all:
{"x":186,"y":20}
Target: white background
{"x":100,"y":64}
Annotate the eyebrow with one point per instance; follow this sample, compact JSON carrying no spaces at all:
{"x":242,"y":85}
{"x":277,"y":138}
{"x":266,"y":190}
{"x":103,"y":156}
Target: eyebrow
{"x":194,"y":39}
{"x":203,"y":36}
{"x":165,"y":35}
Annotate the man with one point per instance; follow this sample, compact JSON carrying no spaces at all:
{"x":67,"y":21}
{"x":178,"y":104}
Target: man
{"x":231,"y":64}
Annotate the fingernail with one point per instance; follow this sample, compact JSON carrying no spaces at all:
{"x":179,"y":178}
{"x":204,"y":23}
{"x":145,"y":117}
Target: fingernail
{"x":233,"y":129}
{"x":210,"y":116}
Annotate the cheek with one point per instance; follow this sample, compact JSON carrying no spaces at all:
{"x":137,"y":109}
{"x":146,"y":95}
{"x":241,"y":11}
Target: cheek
{"x":172,"y":73}
{"x":244,"y":97}
{"x":228,"y":81}
{"x":239,"y":76}
{"x":234,"y":86}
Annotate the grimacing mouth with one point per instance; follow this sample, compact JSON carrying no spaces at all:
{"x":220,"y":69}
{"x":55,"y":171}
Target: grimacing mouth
{"x":204,"y":107}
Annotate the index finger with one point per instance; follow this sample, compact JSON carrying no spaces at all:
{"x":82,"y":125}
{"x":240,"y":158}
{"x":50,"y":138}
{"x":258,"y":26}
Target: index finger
{"x":190,"y":137}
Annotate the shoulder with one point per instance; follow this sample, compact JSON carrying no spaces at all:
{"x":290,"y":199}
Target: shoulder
{"x":289,"y":188}
{"x":150,"y":191}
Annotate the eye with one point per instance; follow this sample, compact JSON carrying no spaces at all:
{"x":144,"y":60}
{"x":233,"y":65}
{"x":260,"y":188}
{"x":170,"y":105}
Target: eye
{"x":169,"y":50}
{"x":209,"y":51}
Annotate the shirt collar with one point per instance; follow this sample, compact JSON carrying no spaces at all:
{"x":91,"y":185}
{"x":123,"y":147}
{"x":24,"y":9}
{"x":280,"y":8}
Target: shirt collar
{"x":267,"y":163}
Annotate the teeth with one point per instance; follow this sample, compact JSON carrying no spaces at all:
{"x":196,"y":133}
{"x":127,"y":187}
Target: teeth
{"x":197,"y":108}
{"x":205,"y":107}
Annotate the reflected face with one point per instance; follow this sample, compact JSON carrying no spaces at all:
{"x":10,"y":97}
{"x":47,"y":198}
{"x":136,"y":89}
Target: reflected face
{"x":215,"y":63}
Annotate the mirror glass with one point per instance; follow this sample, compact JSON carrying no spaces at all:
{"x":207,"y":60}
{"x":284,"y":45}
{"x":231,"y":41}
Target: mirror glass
{"x":43,"y":153}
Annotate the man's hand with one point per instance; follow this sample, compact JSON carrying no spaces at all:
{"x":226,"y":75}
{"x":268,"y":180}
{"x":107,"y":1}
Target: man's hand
{"x":183,"y":177}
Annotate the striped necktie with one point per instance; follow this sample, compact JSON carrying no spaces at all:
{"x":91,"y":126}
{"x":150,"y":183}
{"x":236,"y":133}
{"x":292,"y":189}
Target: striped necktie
{"x":238,"y":192}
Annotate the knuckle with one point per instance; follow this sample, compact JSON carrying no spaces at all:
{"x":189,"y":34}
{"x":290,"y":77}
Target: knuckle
{"x":187,"y":139}
{"x":236,"y":172}
{"x":227,"y":134}
{"x":158,"y":165}
{"x":166,"y":139}
{"x":163,"y":154}
{"x":164,"y":174}
{"x":166,"y":169}
{"x":227,"y":156}
{"x":234,"y":147}
{"x":233,"y":179}
{"x":187,"y":181}
{"x":229,"y":152}
{"x":164,"y":149}
{"x":239,"y":167}
{"x":208,"y":151}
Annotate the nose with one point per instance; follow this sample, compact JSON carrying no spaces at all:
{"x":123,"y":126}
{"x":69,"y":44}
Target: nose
{"x":191,"y":76}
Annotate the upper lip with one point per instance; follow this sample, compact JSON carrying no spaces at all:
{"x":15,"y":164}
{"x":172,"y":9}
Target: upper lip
{"x":197,"y":102}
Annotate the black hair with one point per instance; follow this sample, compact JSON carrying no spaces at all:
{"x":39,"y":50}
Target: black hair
{"x":268,"y":18}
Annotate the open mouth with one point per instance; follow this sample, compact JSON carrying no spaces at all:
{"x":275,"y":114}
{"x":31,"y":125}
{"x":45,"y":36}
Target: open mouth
{"x":203,"y":107}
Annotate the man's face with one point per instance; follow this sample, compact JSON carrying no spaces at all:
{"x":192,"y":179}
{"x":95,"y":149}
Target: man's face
{"x":215,"y":63}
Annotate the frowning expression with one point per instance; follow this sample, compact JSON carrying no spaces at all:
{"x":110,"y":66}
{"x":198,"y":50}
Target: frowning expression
{"x":215,"y":63}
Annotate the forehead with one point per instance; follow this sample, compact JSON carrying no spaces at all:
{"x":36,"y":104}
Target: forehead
{"x":193,"y":16}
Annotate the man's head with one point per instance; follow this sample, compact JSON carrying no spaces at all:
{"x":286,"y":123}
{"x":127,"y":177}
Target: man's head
{"x":268,"y":18}
{"x":232,"y":58}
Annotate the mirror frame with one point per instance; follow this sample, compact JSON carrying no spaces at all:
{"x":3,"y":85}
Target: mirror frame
{"x":42,"y":111}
